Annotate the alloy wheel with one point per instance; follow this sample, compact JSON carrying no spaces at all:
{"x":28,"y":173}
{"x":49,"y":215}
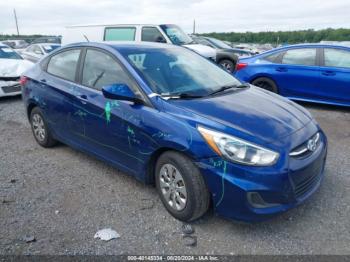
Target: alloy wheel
{"x":173,"y":187}
{"x":264,"y":85}
{"x":227,"y":66}
{"x":38,"y":127}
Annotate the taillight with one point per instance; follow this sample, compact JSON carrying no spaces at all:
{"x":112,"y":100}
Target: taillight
{"x":23,"y":80}
{"x":240,"y":66}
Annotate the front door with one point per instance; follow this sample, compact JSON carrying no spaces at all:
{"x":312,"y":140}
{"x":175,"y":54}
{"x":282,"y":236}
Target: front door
{"x":110,"y":129}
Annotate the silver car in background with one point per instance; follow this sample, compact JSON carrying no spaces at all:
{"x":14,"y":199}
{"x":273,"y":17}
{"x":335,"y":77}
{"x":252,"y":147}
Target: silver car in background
{"x":12,"y":65}
{"x":34,"y":52}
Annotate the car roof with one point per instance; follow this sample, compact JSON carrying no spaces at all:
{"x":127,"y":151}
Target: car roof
{"x":111,"y":24}
{"x":122,"y":45}
{"x":47,"y":44}
{"x":308,"y":45}
{"x":317,"y":45}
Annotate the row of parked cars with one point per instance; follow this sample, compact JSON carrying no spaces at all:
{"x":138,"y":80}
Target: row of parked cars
{"x":17,"y":56}
{"x":318,"y":72}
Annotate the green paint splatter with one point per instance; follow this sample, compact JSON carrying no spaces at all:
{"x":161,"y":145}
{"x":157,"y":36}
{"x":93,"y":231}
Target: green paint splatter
{"x":131,"y":131}
{"x":222,"y":183}
{"x":80,"y":113}
{"x":108,"y":109}
{"x":108,"y":112}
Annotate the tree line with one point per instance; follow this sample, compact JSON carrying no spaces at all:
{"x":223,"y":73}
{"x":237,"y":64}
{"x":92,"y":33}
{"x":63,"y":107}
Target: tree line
{"x":27,"y":38}
{"x":285,"y":37}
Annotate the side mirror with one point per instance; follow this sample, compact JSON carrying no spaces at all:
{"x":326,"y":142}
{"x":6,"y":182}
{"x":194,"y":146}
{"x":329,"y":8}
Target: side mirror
{"x":120,"y":92}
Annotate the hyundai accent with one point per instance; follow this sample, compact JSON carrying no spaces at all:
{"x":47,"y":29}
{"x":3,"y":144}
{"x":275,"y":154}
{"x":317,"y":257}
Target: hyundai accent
{"x":168,"y":116}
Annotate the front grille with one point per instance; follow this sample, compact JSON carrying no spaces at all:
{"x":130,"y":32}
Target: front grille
{"x":11,"y":89}
{"x":306,"y":185}
{"x":305,"y":180}
{"x":5,"y":78}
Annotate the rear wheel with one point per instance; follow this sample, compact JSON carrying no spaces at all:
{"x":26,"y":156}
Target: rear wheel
{"x":228,"y":65}
{"x":266,"y":83}
{"x":40,"y":129}
{"x":181,"y":186}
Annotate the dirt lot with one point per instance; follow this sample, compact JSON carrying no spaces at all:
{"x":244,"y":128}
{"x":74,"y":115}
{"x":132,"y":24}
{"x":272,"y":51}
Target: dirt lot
{"x":62,"y":197}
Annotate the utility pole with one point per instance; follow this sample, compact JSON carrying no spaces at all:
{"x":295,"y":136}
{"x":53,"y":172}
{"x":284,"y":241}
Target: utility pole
{"x":194,"y":26}
{"x":14,"y":12}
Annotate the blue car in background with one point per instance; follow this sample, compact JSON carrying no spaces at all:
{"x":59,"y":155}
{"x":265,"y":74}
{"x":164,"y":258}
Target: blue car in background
{"x":169,"y":117}
{"x":308,"y":72}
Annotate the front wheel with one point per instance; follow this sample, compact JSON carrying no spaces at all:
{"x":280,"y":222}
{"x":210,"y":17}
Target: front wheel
{"x":181,"y":187}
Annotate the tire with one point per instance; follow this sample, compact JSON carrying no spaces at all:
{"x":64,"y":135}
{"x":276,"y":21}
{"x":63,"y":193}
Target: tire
{"x":40,"y":128}
{"x":228,"y":65}
{"x":266,"y":83}
{"x":197,"y":195}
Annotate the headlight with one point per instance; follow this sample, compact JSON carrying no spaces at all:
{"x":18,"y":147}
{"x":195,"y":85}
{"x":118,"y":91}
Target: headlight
{"x":238,"y":150}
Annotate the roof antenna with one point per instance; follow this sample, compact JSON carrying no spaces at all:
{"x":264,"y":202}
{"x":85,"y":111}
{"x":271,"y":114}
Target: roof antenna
{"x":87,"y":39}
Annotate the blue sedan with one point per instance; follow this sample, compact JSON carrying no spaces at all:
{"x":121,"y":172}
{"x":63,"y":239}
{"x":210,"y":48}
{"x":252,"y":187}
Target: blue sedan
{"x":308,"y":72}
{"x":169,"y":117}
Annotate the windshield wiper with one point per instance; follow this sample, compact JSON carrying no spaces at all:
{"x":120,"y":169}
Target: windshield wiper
{"x":179,"y":96}
{"x":223,"y":88}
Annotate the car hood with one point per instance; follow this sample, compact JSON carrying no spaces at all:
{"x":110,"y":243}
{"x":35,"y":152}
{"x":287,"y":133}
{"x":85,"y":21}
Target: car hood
{"x":251,"y":111}
{"x":202,"y":50}
{"x":13,"y":67}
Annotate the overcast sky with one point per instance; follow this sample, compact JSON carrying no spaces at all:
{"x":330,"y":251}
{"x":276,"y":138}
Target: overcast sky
{"x":46,"y":17}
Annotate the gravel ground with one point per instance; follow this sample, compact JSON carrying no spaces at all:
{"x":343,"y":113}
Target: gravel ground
{"x":63,"y":197}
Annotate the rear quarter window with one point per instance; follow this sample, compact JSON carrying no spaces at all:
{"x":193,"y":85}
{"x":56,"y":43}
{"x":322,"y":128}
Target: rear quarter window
{"x":272,"y":58}
{"x":64,"y":64}
{"x":120,"y":34}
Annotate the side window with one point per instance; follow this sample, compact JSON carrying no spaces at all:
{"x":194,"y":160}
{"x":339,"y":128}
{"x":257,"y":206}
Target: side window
{"x":336,"y":58}
{"x":64,"y":64}
{"x":30,"y":48}
{"x":120,"y":34}
{"x":203,"y":42}
{"x":37,"y":50}
{"x":100,"y":69}
{"x":301,"y":56}
{"x":272,"y":58}
{"x":152,"y":34}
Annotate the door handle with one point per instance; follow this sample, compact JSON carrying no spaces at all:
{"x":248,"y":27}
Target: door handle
{"x":328,"y":73}
{"x":83,"y":99}
{"x":281,"y":69}
{"x":43,"y":80}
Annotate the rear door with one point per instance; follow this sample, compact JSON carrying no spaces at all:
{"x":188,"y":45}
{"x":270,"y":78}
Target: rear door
{"x":297,"y":73}
{"x":58,"y":84}
{"x":335,"y":75}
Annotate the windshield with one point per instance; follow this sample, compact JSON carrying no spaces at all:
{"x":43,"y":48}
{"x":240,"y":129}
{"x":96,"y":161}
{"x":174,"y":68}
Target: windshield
{"x":218,"y":43}
{"x":176,"y":35}
{"x":172,"y":71}
{"x":50,"y":48}
{"x":8,"y":53}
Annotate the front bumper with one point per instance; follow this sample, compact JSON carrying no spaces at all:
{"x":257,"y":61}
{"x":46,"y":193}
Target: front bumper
{"x":255,"y":194}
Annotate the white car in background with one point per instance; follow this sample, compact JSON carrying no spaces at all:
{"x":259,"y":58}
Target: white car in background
{"x":12,"y":65}
{"x":36,"y":51}
{"x":166,"y":33}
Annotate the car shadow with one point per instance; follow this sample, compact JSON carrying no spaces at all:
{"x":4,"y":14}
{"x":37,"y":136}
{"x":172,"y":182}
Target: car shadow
{"x":325,"y":107}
